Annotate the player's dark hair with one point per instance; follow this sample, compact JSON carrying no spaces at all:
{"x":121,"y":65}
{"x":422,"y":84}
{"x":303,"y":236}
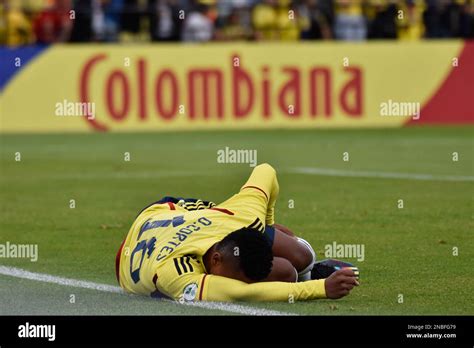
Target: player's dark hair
{"x":253,"y":251}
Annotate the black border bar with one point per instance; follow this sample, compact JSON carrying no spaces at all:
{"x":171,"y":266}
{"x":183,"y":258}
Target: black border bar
{"x":209,"y":330}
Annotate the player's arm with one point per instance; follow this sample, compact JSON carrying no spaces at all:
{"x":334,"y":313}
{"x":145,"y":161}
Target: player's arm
{"x":258,"y":195}
{"x":207,"y":287}
{"x":337,"y":285}
{"x":215,"y":288}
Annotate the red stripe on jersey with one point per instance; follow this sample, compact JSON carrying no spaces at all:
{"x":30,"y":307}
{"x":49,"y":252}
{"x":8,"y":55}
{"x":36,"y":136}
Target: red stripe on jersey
{"x":202,"y":287}
{"x":255,"y":187}
{"x":172,"y":207}
{"x":117,"y":261}
{"x":222,"y":210}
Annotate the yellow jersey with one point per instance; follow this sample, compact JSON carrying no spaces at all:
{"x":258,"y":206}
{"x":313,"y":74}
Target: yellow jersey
{"x":162,"y":255}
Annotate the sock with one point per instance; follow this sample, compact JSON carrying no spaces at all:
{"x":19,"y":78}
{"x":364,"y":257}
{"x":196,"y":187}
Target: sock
{"x":305,"y":274}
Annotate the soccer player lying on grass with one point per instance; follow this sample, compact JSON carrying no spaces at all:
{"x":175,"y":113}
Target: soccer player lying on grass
{"x":191,"y":250}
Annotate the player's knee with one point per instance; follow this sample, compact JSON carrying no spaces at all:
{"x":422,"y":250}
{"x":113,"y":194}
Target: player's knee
{"x":303,"y":257}
{"x":284,"y":271}
{"x":289,"y":274}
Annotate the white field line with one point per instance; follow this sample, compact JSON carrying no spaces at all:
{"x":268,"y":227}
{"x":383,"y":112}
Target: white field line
{"x":381,"y":175}
{"x":47,"y":278}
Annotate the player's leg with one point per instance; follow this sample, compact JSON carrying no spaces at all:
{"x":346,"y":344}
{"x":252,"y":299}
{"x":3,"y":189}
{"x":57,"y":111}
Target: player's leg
{"x":282,"y":271}
{"x":297,"y":251}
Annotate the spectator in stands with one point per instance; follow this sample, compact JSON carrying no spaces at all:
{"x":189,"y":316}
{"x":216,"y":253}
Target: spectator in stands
{"x":205,"y":20}
{"x":225,"y":8}
{"x":264,"y":20}
{"x":319,"y":21}
{"x":96,"y":20}
{"x":3,"y":24}
{"x":383,"y":25}
{"x":278,"y":20}
{"x":134,"y":21}
{"x":466,"y":26}
{"x":410,"y":20}
{"x":199,"y":24}
{"x":18,"y":27}
{"x":445,"y":18}
{"x":350,"y":23}
{"x":233,"y":21}
{"x":289,"y":22}
{"x":82,"y":24}
{"x":53,"y":23}
{"x":328,"y":8}
{"x":111,"y":10}
{"x":165,"y":21}
{"x":232,"y":28}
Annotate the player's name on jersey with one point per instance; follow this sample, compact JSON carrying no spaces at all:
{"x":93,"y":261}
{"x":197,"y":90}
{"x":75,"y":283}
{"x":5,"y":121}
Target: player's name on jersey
{"x":22,"y":251}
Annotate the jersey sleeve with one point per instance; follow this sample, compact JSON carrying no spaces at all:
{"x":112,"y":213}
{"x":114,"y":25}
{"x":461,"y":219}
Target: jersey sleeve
{"x":180,"y":279}
{"x":215,"y":288}
{"x":198,"y":286}
{"x":258,"y":195}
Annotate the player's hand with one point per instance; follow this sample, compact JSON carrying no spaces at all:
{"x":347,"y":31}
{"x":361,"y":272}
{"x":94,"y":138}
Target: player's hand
{"x":340,"y":283}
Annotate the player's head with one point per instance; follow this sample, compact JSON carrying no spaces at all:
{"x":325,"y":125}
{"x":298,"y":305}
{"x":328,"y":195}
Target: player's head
{"x":244,"y":255}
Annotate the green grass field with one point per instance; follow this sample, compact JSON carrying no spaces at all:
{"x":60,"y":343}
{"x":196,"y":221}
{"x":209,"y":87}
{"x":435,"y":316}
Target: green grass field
{"x":408,"y":251}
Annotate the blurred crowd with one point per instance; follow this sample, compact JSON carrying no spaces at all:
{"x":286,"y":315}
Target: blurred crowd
{"x":51,"y":21}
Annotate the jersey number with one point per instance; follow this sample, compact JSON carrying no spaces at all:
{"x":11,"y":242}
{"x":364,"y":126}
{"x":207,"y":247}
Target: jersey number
{"x":146,"y":247}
